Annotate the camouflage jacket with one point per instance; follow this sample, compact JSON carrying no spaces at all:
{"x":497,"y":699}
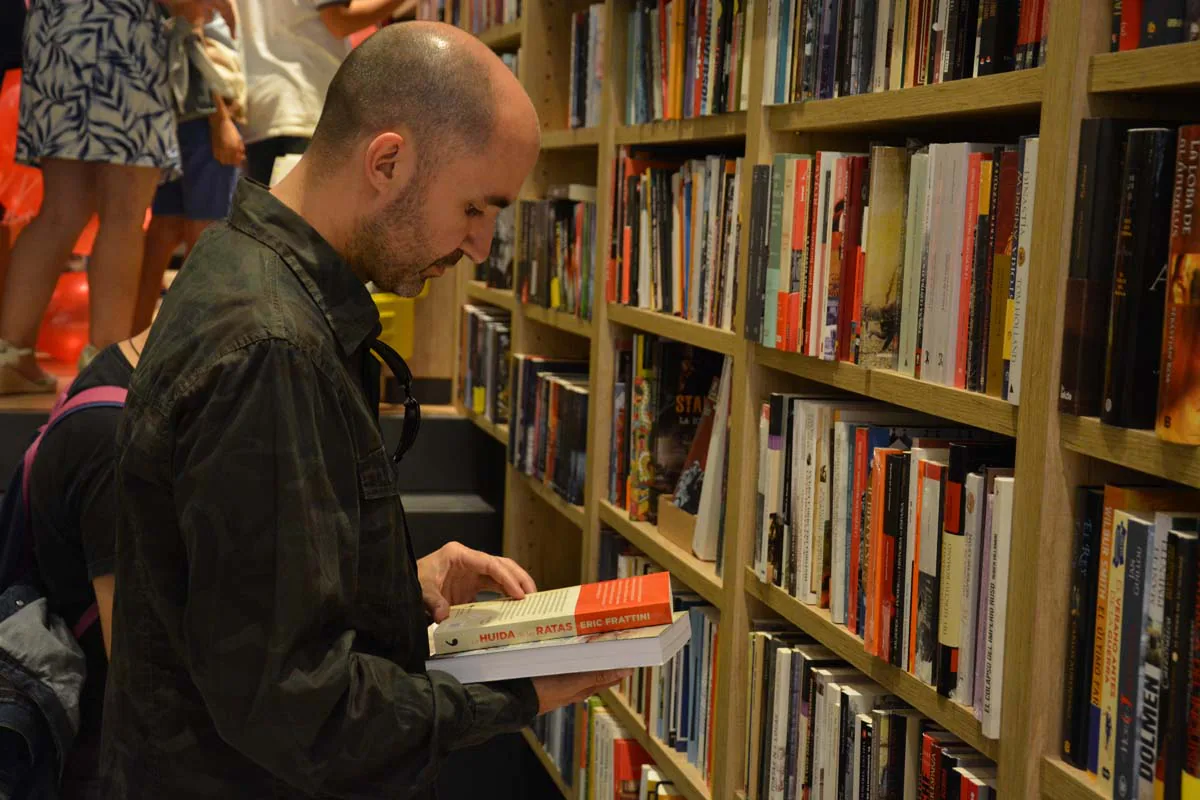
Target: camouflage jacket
{"x":270,"y":637}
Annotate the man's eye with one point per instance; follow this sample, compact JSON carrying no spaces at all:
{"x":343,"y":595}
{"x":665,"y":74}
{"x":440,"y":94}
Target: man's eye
{"x":472,"y":211}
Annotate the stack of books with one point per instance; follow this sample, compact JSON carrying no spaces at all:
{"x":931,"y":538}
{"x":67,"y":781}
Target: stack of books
{"x":556,"y":731}
{"x":547,"y":434}
{"x":587,"y":66}
{"x":914,"y":260}
{"x":820,"y":49}
{"x":1132,"y":679}
{"x":557,"y":250}
{"x":484,"y":361}
{"x":616,"y":624}
{"x":1149,"y":23}
{"x":476,"y":16}
{"x":820,"y":728}
{"x":613,"y":766}
{"x":1132,"y":288}
{"x":685,"y":59}
{"x":675,"y":235}
{"x":671,"y":411}
{"x":900,"y":526}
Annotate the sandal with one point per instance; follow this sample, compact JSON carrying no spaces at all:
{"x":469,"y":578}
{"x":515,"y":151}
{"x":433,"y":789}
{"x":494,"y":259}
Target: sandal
{"x":13,"y":381}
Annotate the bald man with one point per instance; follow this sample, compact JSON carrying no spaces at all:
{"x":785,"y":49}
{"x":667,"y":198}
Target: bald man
{"x":269,"y":630}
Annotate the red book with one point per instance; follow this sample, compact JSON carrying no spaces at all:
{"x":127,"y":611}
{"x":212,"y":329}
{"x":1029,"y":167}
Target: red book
{"x":967,"y":271}
{"x":801,"y":246}
{"x":850,"y":309}
{"x":628,"y":759}
{"x":1131,"y":24}
{"x":876,"y":586}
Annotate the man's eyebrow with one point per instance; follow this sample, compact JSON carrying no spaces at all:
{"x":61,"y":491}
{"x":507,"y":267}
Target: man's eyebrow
{"x":498,"y":201}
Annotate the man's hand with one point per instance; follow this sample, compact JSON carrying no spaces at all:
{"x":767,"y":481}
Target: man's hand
{"x":456,"y":574}
{"x":555,"y":691}
{"x":227,"y":145}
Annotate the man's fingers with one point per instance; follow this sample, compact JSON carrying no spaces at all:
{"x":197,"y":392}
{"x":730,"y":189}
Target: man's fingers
{"x":523,"y":577}
{"x":438,"y":606}
{"x":511,"y":579}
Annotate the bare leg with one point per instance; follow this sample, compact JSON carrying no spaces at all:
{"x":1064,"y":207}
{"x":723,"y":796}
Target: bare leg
{"x":41,"y":252}
{"x":122,"y":195}
{"x":162,"y":237}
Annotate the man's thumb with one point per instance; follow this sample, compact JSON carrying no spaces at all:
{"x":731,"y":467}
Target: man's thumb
{"x":438,"y":606}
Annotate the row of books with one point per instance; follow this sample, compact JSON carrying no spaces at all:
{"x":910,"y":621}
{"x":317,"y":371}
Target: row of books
{"x":556,"y":251}
{"x":675,"y":235}
{"x":476,"y":16}
{"x":613,"y":765}
{"x":1132,"y":290}
{"x":899,"y":525}
{"x":1148,"y":23}
{"x":556,"y":731}
{"x":820,"y":49}
{"x":547,"y":432}
{"x":1131,"y":687}
{"x":587,"y":66}
{"x":915,"y":260}
{"x":485,"y":360}
{"x":821,"y":730}
{"x":676,"y":701}
{"x":671,"y":405}
{"x":685,"y":59}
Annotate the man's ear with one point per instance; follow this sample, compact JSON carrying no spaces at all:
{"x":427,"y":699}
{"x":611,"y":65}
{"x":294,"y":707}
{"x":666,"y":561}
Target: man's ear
{"x":390,"y":162}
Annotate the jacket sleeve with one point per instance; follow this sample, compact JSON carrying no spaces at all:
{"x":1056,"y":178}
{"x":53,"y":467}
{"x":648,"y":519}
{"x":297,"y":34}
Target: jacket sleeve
{"x":265,"y":471}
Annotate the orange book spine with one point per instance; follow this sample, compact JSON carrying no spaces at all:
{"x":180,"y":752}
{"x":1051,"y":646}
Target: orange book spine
{"x":871,"y":638}
{"x":966,"y":271}
{"x":800,"y":252}
{"x":1179,"y":375}
{"x":641,"y":601}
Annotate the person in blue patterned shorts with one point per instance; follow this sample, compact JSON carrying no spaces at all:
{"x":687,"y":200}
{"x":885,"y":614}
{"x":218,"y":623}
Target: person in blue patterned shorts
{"x":96,"y":116}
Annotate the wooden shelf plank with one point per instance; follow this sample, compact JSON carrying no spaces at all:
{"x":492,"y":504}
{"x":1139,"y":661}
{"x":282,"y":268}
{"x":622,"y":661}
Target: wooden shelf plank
{"x":672,"y":327}
{"x":568,"y":323}
{"x":970,"y":408}
{"x":699,"y":575}
{"x":502,"y":298}
{"x":990,"y":95}
{"x":1061,"y":781}
{"x":816,"y":622}
{"x":1175,"y":66}
{"x":497,"y":432}
{"x":1139,"y":450}
{"x":678,"y":131}
{"x":572,"y":138}
{"x":673,"y":765}
{"x":504,"y":37}
{"x":538,"y":750}
{"x":573,"y":513}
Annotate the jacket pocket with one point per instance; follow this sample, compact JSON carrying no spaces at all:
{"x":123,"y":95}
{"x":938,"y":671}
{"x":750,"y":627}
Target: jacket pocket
{"x":376,"y":479}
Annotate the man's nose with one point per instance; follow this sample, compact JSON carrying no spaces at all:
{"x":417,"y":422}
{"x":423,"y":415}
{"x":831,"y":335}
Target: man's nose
{"x":478,"y":244}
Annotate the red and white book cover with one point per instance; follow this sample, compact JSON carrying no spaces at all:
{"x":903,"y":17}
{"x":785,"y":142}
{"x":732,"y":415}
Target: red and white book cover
{"x":639,"y":602}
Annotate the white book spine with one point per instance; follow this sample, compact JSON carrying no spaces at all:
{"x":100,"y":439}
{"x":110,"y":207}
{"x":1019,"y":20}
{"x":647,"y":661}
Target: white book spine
{"x":972,"y":540}
{"x":841,"y":515}
{"x":733,"y":238}
{"x":899,"y":29}
{"x":771,"y":52}
{"x":744,"y":54}
{"x":821,"y":519}
{"x":764,"y":527}
{"x":993,"y":688}
{"x":879,"y":67}
{"x":779,"y":723}
{"x":808,"y":537}
{"x":930,"y":259}
{"x":914,"y":227}
{"x":1021,"y":265}
{"x":677,"y":265}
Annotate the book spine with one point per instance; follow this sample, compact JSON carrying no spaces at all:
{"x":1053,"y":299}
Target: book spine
{"x":1152,"y":689}
{"x":1179,"y":377}
{"x":1131,"y":25}
{"x":1136,"y":315}
{"x":1182,"y":558}
{"x":973,"y":501}
{"x":1110,"y":677}
{"x":899,"y":566}
{"x":1137,"y":568}
{"x":1080,"y":626}
{"x":998,"y":609}
{"x":951,"y":569}
{"x":1021,"y":268}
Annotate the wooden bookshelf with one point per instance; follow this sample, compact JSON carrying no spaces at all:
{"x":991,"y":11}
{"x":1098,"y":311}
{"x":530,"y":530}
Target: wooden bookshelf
{"x":570,"y":139}
{"x":572,"y":512}
{"x":1140,"y":450}
{"x":1054,"y":454}
{"x":1061,"y":781}
{"x":1154,"y":69}
{"x":682,"y":131}
{"x":504,"y":37}
{"x":674,"y":766}
{"x":992,"y":95}
{"x":567,"y":323}
{"x":672,"y":327}
{"x":816,"y":622}
{"x":969,"y":408}
{"x":501,"y":298}
{"x":551,"y":768}
{"x":499,"y":432}
{"x":701,"y":576}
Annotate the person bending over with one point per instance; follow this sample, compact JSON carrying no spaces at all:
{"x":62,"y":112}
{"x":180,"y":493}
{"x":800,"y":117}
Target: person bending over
{"x":270,"y":630}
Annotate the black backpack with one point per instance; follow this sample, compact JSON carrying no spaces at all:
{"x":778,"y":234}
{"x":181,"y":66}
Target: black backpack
{"x":12,"y":32}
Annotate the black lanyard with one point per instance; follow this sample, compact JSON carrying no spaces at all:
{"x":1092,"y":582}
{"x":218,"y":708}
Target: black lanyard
{"x":412,"y":409}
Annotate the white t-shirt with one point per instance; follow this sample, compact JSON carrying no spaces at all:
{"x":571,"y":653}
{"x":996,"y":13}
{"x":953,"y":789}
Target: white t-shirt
{"x":290,"y":59}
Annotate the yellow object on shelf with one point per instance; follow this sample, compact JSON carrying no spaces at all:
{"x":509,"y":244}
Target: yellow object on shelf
{"x":396,"y":316}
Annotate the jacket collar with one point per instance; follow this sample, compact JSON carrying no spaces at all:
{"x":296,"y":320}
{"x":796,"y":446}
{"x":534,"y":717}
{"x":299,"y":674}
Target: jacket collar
{"x":333,"y":286}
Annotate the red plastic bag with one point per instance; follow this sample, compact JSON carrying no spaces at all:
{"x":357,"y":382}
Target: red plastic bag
{"x":20,"y":186}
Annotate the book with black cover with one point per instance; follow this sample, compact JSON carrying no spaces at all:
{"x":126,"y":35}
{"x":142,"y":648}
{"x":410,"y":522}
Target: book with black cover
{"x":1081,"y":624}
{"x":1135,"y":318}
{"x":1089,"y":278}
{"x":760,"y":202}
{"x":1182,"y":550}
{"x":685,"y":377}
